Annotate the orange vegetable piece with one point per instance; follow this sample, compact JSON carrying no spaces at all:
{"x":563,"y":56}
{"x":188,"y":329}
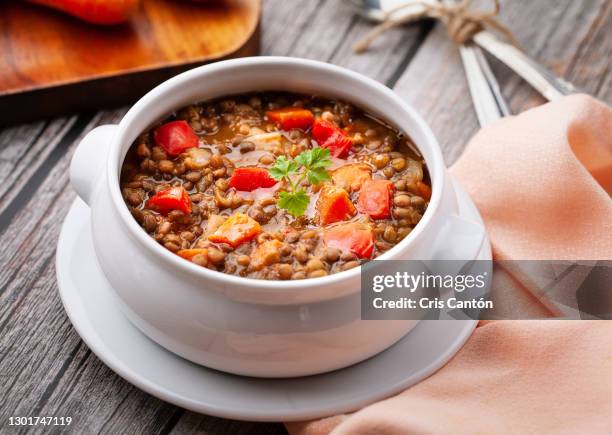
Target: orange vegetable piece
{"x":353,"y":236}
{"x":352,"y":176}
{"x":266,"y":253}
{"x":237,"y":229}
{"x":334,"y":205}
{"x":291,"y":117}
{"x":424,"y":190}
{"x":188,"y":254}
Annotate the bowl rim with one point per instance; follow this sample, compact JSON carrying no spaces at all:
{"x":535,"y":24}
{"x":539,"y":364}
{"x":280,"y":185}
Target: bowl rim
{"x":115,"y":159}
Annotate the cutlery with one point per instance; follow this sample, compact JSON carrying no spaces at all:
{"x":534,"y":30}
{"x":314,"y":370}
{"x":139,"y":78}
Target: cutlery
{"x":539,"y":77}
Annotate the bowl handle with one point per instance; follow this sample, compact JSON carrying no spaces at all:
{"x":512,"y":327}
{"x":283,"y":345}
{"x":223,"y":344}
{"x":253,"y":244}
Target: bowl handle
{"x":89,"y":159}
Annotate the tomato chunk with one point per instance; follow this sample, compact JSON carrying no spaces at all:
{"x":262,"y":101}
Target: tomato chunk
{"x":175,"y":137}
{"x":291,"y":117}
{"x":188,"y":254}
{"x":375,"y":199}
{"x":353,"y":236}
{"x":334,"y":205}
{"x":175,"y":198}
{"x":329,"y":135}
{"x":352,"y":176}
{"x":237,"y":229}
{"x":249,"y":178}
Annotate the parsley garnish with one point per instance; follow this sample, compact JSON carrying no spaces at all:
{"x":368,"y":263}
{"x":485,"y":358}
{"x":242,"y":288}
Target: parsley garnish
{"x":308,"y":165}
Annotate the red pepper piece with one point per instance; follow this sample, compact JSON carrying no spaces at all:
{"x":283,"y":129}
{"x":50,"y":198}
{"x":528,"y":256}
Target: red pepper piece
{"x":249,"y":178}
{"x":329,"y":135}
{"x":375,"y":199}
{"x":353,"y":236}
{"x":175,"y":198}
{"x":104,"y":12}
{"x":175,"y":137}
{"x":291,"y":117}
{"x":334,"y":205}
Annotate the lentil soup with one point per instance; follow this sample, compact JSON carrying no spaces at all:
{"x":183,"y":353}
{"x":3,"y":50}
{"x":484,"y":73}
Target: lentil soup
{"x":275,"y":185}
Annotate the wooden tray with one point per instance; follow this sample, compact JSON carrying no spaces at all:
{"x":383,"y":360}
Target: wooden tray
{"x":52,"y":64}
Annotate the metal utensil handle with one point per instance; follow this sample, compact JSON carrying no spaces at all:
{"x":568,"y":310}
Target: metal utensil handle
{"x":488,"y":103}
{"x":543,"y":80}
{"x":491,"y":81}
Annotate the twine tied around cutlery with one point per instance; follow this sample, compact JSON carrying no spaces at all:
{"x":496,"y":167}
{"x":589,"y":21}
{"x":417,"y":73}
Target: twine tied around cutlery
{"x":461,"y":22}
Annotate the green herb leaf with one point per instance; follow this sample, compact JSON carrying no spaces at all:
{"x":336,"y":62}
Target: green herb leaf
{"x":314,"y":158}
{"x":304,"y":158}
{"x":283,"y":168}
{"x":317,"y":175}
{"x":295,"y":203}
{"x":320,"y":158}
{"x":309,"y":164}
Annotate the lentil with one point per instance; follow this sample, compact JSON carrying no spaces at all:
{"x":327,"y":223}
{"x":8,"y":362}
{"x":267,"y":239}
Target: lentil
{"x":286,"y":247}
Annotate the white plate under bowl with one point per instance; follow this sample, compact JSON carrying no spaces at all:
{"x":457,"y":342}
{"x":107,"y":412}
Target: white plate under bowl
{"x":92,"y":309}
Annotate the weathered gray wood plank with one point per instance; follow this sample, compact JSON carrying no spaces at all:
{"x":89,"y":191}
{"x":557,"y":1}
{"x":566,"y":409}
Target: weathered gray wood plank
{"x":22,"y":150}
{"x":44,"y":367}
{"x":559,"y":34}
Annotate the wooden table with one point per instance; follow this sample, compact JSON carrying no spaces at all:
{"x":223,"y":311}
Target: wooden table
{"x":45,"y":368}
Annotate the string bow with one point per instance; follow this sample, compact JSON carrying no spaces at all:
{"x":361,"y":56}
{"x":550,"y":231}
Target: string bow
{"x":460,"y":20}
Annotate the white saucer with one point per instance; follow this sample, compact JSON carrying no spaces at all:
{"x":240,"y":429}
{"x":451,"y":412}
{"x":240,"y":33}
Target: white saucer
{"x":89,"y":302}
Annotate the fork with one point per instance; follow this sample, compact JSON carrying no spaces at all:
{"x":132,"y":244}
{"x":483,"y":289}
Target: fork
{"x":540,"y":78}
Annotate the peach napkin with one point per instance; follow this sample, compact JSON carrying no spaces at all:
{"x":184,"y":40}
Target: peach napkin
{"x":542,"y":181}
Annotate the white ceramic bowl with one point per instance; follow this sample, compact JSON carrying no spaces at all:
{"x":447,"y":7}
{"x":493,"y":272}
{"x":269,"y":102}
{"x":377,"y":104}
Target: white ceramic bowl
{"x":241,"y":325}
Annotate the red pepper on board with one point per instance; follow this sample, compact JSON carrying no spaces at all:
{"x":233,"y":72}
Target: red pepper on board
{"x":105,"y":12}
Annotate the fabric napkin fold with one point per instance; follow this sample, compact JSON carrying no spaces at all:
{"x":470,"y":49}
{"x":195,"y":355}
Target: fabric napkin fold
{"x":542,"y":181}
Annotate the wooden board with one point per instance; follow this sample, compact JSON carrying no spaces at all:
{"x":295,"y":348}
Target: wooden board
{"x":45,"y":369}
{"x":54,"y":64}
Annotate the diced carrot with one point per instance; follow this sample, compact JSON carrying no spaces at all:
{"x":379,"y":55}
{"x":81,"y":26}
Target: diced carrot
{"x":375,"y":199}
{"x":352,"y":176}
{"x":291,"y":117}
{"x":237,"y":229}
{"x":188,"y":254}
{"x":424,"y":190}
{"x":334,"y":205}
{"x":329,"y":135}
{"x":175,"y":198}
{"x":249,"y":178}
{"x":352,"y":237}
{"x":265,"y":254}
